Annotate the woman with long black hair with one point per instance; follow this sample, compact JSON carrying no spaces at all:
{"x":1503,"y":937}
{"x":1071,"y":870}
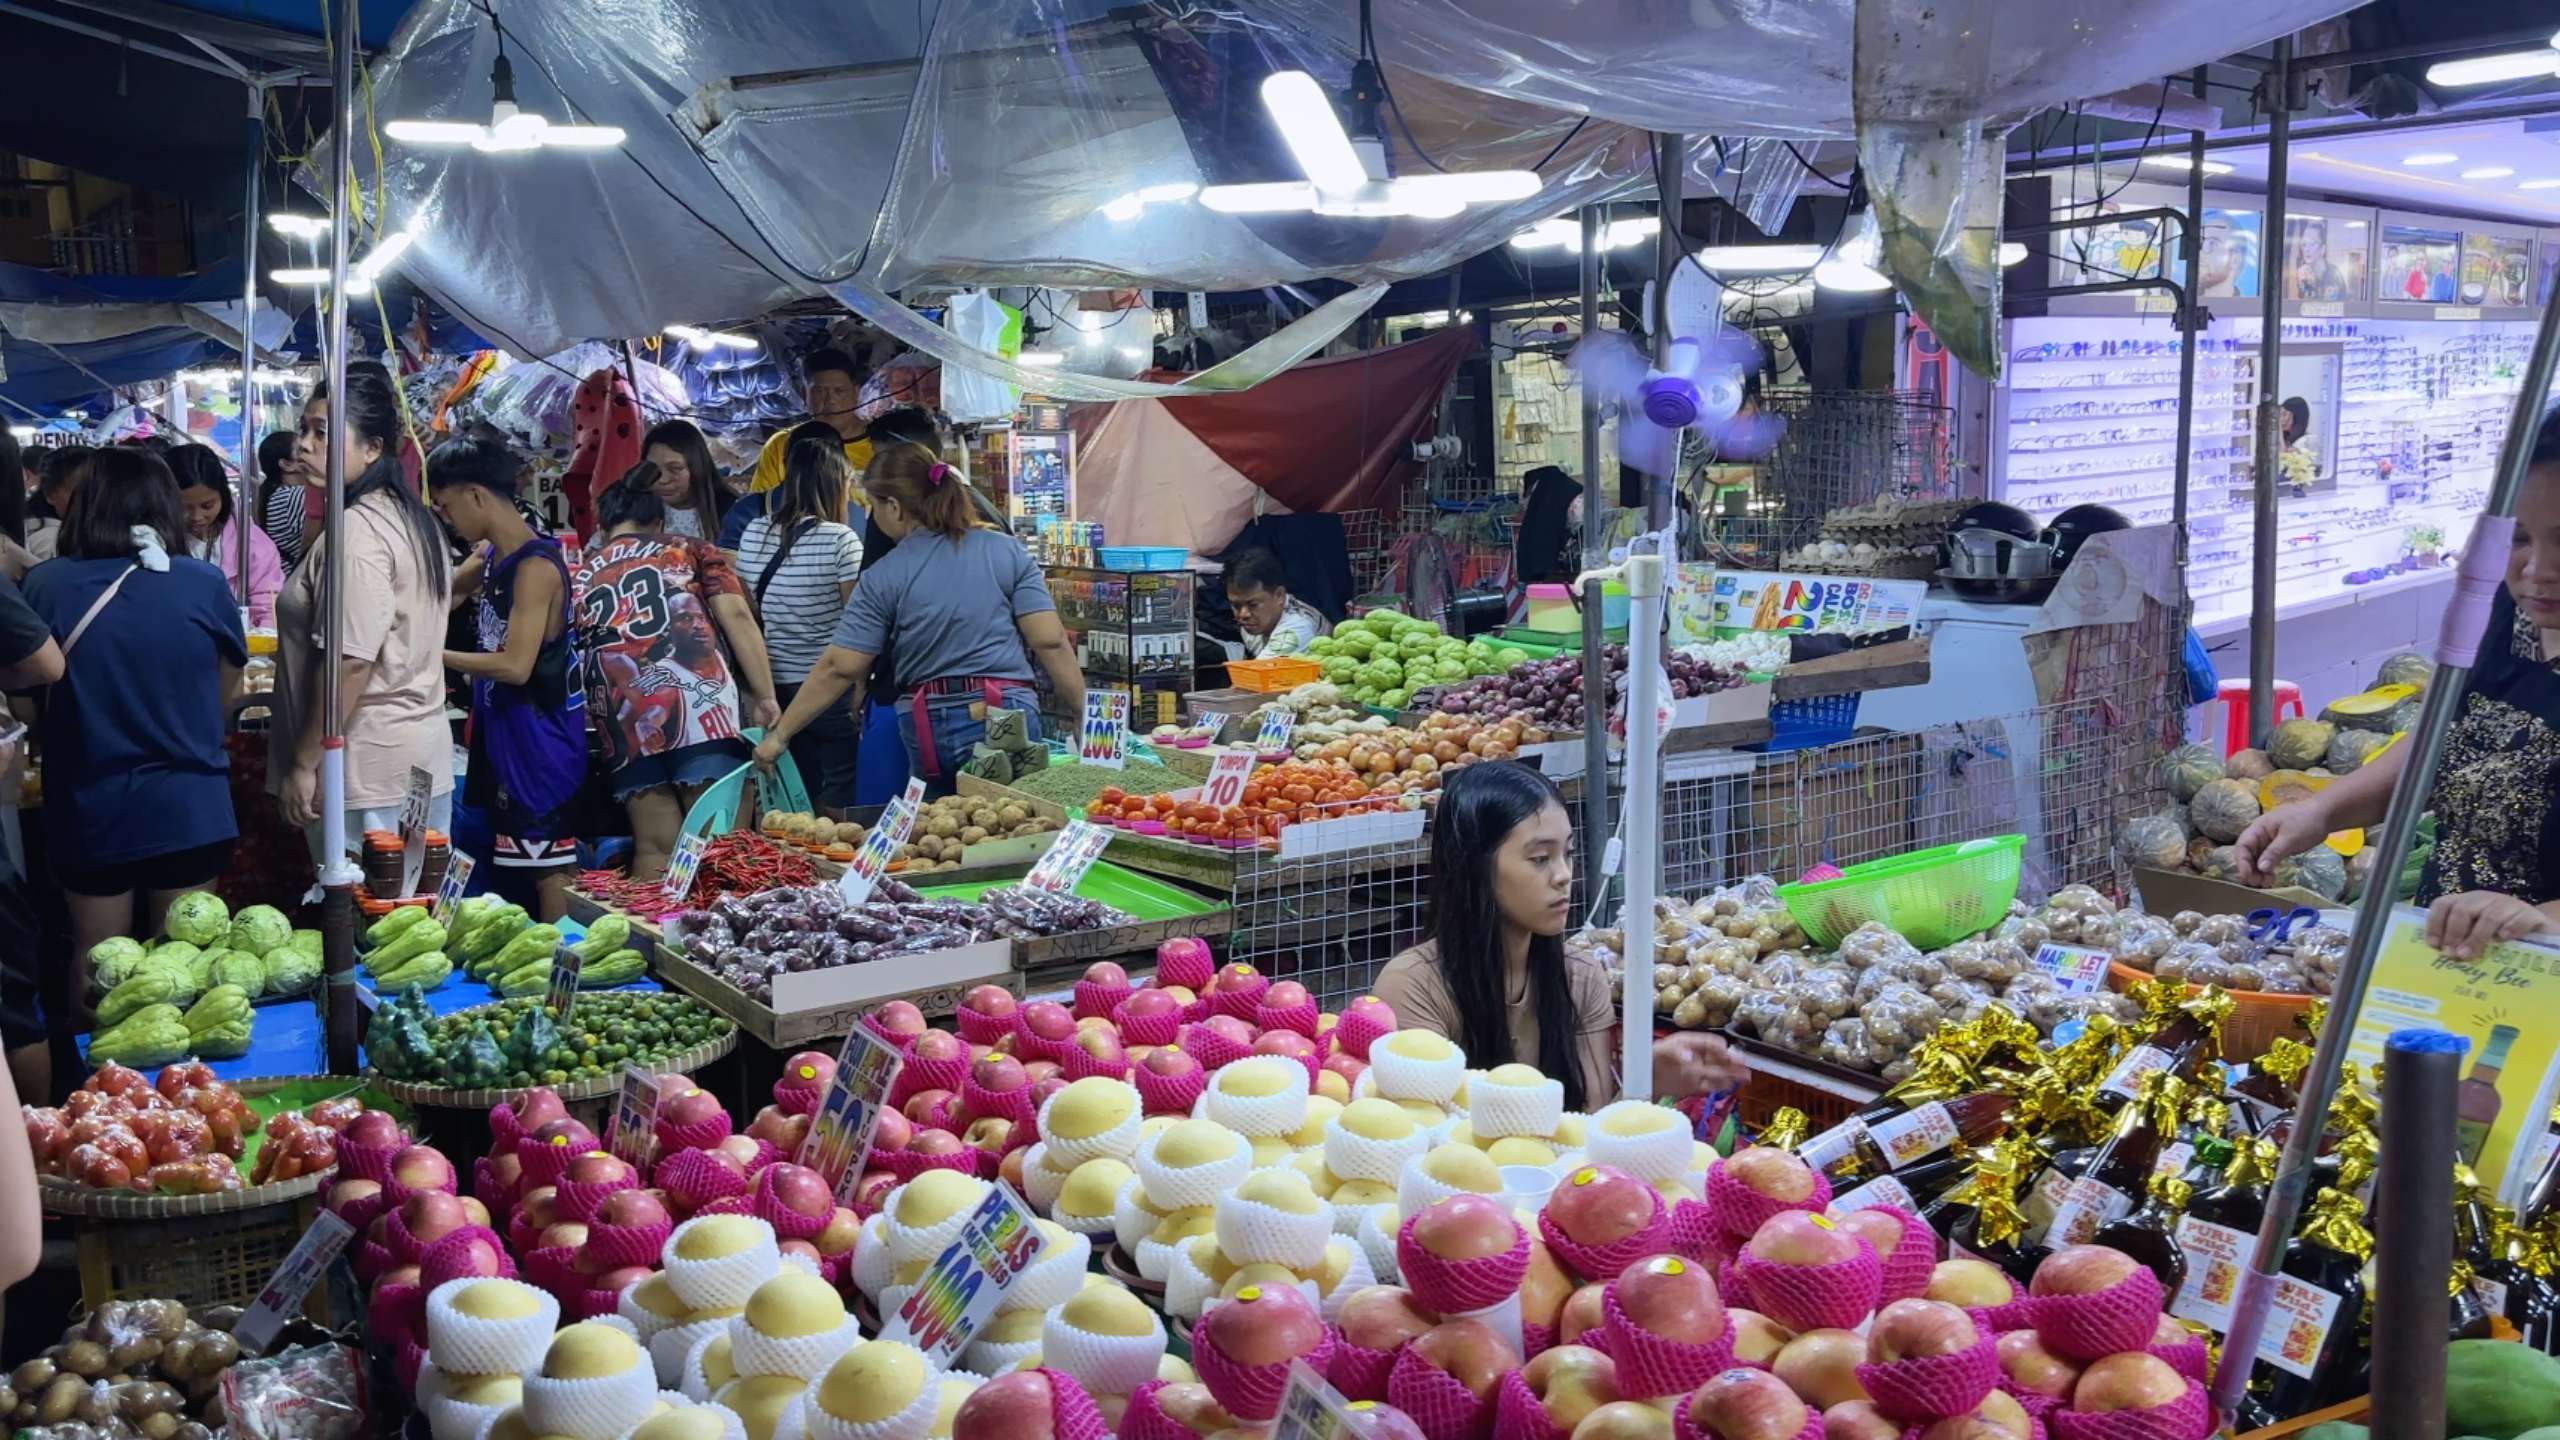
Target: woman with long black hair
{"x":1494,"y":978}
{"x":282,"y":492}
{"x":387,"y":679}
{"x":799,"y":565}
{"x":688,"y":480}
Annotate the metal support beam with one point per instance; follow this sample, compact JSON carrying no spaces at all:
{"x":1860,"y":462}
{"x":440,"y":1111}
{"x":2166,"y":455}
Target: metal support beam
{"x":2534,"y":39}
{"x":2063,"y":157}
{"x":250,"y":222}
{"x":1596,"y":820}
{"x":2270,"y":432}
{"x":2190,"y":325}
{"x":226,"y":69}
{"x":337,"y":877}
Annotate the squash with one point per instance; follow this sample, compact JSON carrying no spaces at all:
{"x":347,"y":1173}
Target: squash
{"x":2320,"y":870}
{"x":2154,"y":840}
{"x":2406,"y":668}
{"x":2371,"y":710}
{"x":2359,"y":870}
{"x":2299,"y":744}
{"x":2224,"y":808}
{"x":2190,"y":767}
{"x":2248,"y":765}
{"x":2495,"y":1387}
{"x":2404,"y":716}
{"x":2285,"y":786}
{"x":2197,"y":849}
{"x":2221,"y":863}
{"x":2354,"y":747}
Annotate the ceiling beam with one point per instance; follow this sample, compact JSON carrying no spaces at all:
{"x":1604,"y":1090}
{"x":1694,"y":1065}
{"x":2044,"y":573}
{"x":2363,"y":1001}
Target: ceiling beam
{"x":238,"y":36}
{"x":142,"y":47}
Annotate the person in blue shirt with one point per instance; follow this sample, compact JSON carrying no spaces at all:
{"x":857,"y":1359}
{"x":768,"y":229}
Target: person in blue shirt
{"x":138,"y":790}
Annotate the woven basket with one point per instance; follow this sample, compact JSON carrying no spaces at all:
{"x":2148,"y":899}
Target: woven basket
{"x":59,"y":1196}
{"x":2258,"y":1018}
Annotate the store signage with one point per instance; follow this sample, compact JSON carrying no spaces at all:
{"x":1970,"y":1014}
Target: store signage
{"x":1765,"y":600}
{"x":680,"y":867}
{"x":302,"y":1267}
{"x":1063,"y":865}
{"x":871,"y":861}
{"x":413,"y":829}
{"x":1273,"y":736}
{"x":2322,"y":309}
{"x":566,"y":962}
{"x":1227,"y":776}
{"x":457,"y":877}
{"x":959,"y":1292}
{"x":2078,"y":969}
{"x":633,"y":1132}
{"x":838,"y":1144}
{"x":2457,"y":312}
{"x":1106,"y":729}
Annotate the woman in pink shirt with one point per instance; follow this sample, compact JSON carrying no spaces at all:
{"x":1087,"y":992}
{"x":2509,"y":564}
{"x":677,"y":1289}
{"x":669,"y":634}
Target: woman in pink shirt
{"x":214,"y":527}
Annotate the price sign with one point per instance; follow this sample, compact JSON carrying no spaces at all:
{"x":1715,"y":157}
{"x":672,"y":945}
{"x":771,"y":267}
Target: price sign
{"x":960,"y":1290}
{"x":1106,"y":729}
{"x":838,"y":1144}
{"x":633,"y":1133}
{"x":1273,"y":736}
{"x":680,"y":867}
{"x":1227,"y":774}
{"x":1068,"y":857}
{"x":413,"y":828}
{"x":1310,"y":1409}
{"x":871,"y":860}
{"x":293,"y":1279}
{"x":2078,"y":969}
{"x":566,"y":962}
{"x":457,"y":877}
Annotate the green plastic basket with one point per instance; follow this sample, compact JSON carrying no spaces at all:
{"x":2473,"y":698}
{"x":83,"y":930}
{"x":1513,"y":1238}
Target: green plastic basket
{"x":1930,"y":897}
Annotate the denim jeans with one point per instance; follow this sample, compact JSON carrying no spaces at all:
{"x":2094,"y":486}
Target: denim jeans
{"x":956,"y":732}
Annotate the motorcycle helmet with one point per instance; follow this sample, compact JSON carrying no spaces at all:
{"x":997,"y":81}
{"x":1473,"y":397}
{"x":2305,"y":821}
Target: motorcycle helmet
{"x":1994,"y":515}
{"x":2074,"y":526}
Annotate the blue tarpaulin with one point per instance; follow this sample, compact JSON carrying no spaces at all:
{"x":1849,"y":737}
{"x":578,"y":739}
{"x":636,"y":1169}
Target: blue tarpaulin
{"x":48,"y":384}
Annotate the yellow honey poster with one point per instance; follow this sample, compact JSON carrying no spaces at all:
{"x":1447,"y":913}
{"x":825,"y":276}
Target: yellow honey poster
{"x":2507,"y":1003}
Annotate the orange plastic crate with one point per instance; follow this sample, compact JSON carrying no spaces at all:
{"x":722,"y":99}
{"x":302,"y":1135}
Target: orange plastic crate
{"x":1281,"y":672}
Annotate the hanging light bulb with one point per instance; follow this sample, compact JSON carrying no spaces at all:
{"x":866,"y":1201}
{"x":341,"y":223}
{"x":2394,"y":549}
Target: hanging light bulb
{"x":1851,"y":265}
{"x":512,"y":130}
{"x":1346,"y":168}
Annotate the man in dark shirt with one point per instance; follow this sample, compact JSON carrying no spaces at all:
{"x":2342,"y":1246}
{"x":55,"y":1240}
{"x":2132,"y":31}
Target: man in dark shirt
{"x":28,"y":658}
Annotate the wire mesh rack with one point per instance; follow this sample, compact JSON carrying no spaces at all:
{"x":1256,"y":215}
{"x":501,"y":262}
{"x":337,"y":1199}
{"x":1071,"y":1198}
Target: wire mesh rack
{"x":1330,"y":921}
{"x":1841,"y":448}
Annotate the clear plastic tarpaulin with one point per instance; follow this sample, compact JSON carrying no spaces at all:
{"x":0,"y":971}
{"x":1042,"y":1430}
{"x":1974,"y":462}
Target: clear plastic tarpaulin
{"x":782,"y":149}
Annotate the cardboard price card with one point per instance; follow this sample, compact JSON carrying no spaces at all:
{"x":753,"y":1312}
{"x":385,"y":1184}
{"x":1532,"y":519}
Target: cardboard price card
{"x":839,"y":1140}
{"x":457,"y":878}
{"x":1227,"y":774}
{"x":871,"y":861}
{"x":681,"y":865}
{"x":293,"y":1279}
{"x":958,"y":1293}
{"x":1068,"y":857}
{"x":2077,"y":969}
{"x":413,"y":828}
{"x":1105,"y":733}
{"x":1310,"y":1409}
{"x":633,"y":1132}
{"x":566,"y":963}
{"x":1273,"y":736}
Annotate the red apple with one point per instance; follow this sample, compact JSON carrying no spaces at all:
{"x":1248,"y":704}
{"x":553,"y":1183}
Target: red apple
{"x":1570,"y":1382}
{"x":998,"y":1074}
{"x":921,"y":1105}
{"x":1190,"y":1405}
{"x":2033,"y":1368}
{"x":631,"y":1210}
{"x":874,"y":1187}
{"x":1600,"y":1205}
{"x":1172,"y":1062}
{"x":1908,"y":1329}
{"x":2167,"y":1331}
{"x":1234,"y":1029}
{"x":728,"y":1160}
{"x":899,"y":1017}
{"x":376,"y":1129}
{"x":506,"y":1170}
{"x":991,"y":1135}
{"x":1106,"y":973}
{"x":475,"y":1212}
{"x":1102,"y":1045}
{"x":1466,"y":1227}
{"x":838,"y":1236}
{"x":1017,"y":1405}
{"x":1581,"y":1313}
{"x":2130,"y":1381}
{"x":1746,"y":1404}
{"x":798,"y":1189}
{"x":993,"y":1001}
{"x":538,"y":1207}
{"x":935,"y":1142}
{"x":1383,"y":1317}
{"x":396,"y":1275}
{"x":1237,"y":976}
{"x":1624,"y":1420}
{"x":1858,"y":1420}
{"x":2081,"y":1270}
{"x":1036,"y":1071}
{"x":891,"y":1132}
{"x":1673,"y":1298}
{"x":771,"y":1124}
{"x":539,"y":1107}
{"x":1347,"y":1065}
{"x":1284,"y":995}
{"x":624,"y":1278}
{"x":1757,"y":1339}
{"x":598,"y":1168}
{"x":1775,"y":1173}
{"x":1545,"y":1288}
{"x":1373,"y":1007}
{"x":695,"y":1107}
{"x":1284,"y":1042}
{"x":1045,"y":1087}
{"x":1184,"y":997}
{"x":1468,"y":1352}
{"x":1377,"y":1422}
{"x":741,"y":1148}
{"x":567,"y":1232}
{"x":1822,"y":1366}
{"x":561,"y":1134}
{"x":1009,"y":1169}
{"x":937,"y":1045}
{"x":1877,"y":1228}
{"x":1151,"y":1002}
{"x":803,"y":1249}
{"x":1048,"y":1020}
{"x":423,"y":1167}
{"x":431,"y":1215}
{"x":1798,"y":1237}
{"x":349,"y":1192}
{"x":1998,"y":1417}
{"x":480,"y":1256}
{"x":1263,"y":1325}
{"x":1969,"y":1284}
{"x":811,"y":1067}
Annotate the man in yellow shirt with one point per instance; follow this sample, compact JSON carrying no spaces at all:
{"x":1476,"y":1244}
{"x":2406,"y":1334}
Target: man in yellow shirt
{"x":834,"y":390}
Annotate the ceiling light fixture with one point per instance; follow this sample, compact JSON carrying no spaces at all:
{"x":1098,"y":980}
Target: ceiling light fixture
{"x":2429,"y":157}
{"x":1851,"y":265}
{"x":357,"y":284}
{"x":361,"y":275}
{"x":1759,"y":259}
{"x":2182,"y":162}
{"x":1041,"y":359}
{"x":2011,"y":252}
{"x":1129,"y":205}
{"x":1563,"y":232}
{"x":511,"y":130}
{"x":2489,"y":172}
{"x":2494,"y":69}
{"x":298,"y":227}
{"x":701,"y":339}
{"x":2545,"y":183}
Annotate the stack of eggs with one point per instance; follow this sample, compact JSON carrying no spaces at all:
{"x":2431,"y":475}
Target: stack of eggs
{"x":483,"y":1335}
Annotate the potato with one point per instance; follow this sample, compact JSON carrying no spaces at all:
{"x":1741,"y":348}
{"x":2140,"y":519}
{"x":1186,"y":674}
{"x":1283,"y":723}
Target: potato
{"x":59,"y":1399}
{"x":85,"y":1357}
{"x":33,"y":1376}
{"x":973,"y":834}
{"x":163,"y":1318}
{"x":134,"y":1353}
{"x":178,"y":1357}
{"x":216,"y":1351}
{"x":159,"y":1425}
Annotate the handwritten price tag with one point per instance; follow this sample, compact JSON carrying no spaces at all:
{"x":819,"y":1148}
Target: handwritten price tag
{"x":457,"y":878}
{"x":1068,"y":858}
{"x":293,"y":1279}
{"x":633,"y":1133}
{"x":1105,"y":734}
{"x":871,"y":861}
{"x":838,"y":1144}
{"x":413,"y":828}
{"x":1273,"y":736}
{"x":1227,"y":775}
{"x":566,"y":963}
{"x":960,"y":1290}
{"x":681,"y":865}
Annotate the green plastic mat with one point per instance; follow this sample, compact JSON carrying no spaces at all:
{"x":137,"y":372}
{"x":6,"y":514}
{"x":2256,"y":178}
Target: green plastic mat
{"x":302,"y":1094}
{"x":1139,"y":895}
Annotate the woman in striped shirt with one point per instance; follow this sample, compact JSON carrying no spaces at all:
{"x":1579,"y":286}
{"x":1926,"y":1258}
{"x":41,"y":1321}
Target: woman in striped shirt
{"x":799,"y":564}
{"x":281,"y":495}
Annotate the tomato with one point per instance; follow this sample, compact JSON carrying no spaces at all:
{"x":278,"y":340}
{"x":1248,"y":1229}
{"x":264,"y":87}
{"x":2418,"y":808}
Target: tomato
{"x":1112,"y":795}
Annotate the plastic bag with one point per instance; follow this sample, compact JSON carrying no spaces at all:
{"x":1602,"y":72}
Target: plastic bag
{"x":982,"y":320}
{"x":314,"y":1392}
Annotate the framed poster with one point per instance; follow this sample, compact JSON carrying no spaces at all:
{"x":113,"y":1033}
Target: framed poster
{"x":2325,"y":259}
{"x":2229,"y":249}
{"x":2510,"y":280}
{"x":2418,"y":265}
{"x":2547,"y":254}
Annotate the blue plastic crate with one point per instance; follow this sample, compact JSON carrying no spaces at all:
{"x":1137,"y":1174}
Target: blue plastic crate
{"x":1810,"y":724}
{"x":1143,"y":557}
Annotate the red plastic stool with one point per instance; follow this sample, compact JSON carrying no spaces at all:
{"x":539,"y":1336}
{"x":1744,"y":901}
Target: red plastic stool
{"x":2233,"y":698}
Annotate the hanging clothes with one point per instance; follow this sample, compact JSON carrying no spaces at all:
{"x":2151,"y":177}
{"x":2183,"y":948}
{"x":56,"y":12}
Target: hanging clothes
{"x":606,"y":441}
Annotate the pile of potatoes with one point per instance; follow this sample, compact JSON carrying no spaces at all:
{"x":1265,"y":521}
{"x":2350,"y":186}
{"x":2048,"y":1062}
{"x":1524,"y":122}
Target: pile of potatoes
{"x":942,"y":831}
{"x":133,"y":1368}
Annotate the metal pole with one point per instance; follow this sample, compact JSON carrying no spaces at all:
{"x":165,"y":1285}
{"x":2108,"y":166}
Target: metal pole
{"x":249,"y":222}
{"x":2458,"y":639}
{"x":1595,"y":554}
{"x":2190,"y":326}
{"x":337,"y":875}
{"x":2413,"y":1246}
{"x":1669,"y":250}
{"x":2270,"y":429}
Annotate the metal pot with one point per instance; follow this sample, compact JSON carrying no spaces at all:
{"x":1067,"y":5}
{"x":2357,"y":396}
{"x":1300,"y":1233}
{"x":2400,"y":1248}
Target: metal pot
{"x":1993,"y":555}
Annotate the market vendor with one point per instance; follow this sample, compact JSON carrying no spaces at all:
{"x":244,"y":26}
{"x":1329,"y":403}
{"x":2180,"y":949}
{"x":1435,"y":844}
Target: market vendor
{"x":962,"y":605}
{"x":832,"y":383}
{"x":1495,"y":978}
{"x":2495,"y":872}
{"x":1272,"y":621}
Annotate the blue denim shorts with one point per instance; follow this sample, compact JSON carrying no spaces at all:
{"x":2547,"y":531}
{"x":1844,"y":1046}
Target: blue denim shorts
{"x":693,"y":765}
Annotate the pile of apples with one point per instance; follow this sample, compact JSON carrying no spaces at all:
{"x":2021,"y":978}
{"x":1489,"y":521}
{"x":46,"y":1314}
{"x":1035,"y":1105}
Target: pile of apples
{"x":403,"y":1201}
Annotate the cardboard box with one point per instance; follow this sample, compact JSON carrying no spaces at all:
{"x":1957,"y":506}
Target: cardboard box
{"x":2166,"y":892}
{"x":816,"y":1005}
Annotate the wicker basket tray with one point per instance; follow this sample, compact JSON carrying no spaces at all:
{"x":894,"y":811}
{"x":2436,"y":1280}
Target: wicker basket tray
{"x":2258,"y":1018}
{"x":59,"y":1196}
{"x":601,"y":1087}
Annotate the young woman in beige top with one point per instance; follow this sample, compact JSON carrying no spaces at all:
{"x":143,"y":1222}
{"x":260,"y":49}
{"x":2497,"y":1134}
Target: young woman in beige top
{"x":1494,"y":978}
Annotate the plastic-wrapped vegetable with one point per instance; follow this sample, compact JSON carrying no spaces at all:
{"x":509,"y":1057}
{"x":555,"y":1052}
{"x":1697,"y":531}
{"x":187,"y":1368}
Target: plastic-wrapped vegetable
{"x":1846,"y":1042}
{"x":1873,"y":944}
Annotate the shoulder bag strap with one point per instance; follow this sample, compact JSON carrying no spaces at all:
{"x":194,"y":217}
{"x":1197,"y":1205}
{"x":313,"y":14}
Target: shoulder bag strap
{"x":781,"y":552}
{"x":95,"y":606}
